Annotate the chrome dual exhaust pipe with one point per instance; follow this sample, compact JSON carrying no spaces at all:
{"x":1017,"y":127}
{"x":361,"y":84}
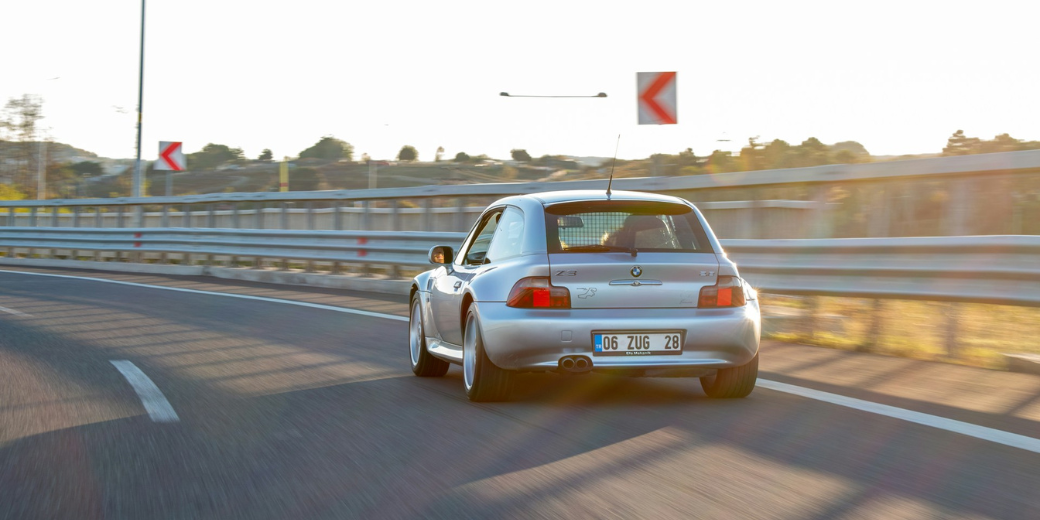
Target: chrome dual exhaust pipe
{"x":575,"y":364}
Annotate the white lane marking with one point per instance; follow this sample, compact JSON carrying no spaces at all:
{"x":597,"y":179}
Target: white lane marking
{"x":229,"y":295}
{"x":971,"y":430}
{"x":152,"y":398}
{"x":12,"y":311}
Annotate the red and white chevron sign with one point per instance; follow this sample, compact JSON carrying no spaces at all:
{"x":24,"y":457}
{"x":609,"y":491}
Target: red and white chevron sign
{"x":171,"y":156}
{"x":657,"y":102}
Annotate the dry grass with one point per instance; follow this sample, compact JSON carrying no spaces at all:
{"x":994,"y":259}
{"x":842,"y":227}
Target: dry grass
{"x":913,"y":329}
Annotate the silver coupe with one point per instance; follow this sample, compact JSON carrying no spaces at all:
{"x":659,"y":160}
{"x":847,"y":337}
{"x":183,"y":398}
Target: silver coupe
{"x":579,"y":281}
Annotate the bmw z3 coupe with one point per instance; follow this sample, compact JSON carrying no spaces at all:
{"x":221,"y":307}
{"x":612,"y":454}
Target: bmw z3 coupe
{"x":580,"y":281}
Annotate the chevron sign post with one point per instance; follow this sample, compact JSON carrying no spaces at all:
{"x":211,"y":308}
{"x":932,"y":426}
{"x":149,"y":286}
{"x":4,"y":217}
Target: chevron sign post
{"x":657,"y":101}
{"x":171,"y":156}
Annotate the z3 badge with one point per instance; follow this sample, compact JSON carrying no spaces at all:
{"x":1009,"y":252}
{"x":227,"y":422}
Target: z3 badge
{"x":566,"y":273}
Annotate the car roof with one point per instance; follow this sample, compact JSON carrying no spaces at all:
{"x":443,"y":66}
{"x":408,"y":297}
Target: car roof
{"x":557,"y":197}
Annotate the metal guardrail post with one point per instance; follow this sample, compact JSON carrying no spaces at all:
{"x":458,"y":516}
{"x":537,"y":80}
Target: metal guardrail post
{"x":284,"y":218}
{"x":119,"y":224}
{"x":395,"y":225}
{"x":164,"y":258}
{"x":310,"y":227}
{"x":186,"y":216}
{"x":812,"y":313}
{"x":258,"y":223}
{"x":98,"y":223}
{"x":951,"y":330}
{"x":54,"y":216}
{"x":32,"y":217}
{"x":366,"y":225}
{"x":366,"y":215}
{"x":211,"y":222}
{"x":878,"y":224}
{"x":337,"y":224}
{"x":757,"y":221}
{"x":876,"y":323}
{"x":75,"y":223}
{"x":10,"y":222}
{"x":958,"y":208}
{"x":234,"y":215}
{"x":427,"y":214}
{"x":258,"y":216}
{"x":460,"y":214}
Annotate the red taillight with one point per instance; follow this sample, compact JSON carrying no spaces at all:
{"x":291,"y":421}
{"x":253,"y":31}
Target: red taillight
{"x":727,"y":292}
{"x":537,"y":292}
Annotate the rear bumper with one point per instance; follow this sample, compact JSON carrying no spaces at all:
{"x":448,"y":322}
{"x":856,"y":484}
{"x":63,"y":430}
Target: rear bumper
{"x":529,"y":339}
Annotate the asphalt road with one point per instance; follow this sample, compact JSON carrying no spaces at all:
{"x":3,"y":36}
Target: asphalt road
{"x":300,"y":412}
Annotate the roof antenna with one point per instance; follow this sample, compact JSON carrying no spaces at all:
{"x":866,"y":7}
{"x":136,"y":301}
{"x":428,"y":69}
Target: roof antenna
{"x":611,"y":181}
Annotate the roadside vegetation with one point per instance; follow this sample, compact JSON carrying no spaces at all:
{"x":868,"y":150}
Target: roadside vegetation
{"x":911,"y":329}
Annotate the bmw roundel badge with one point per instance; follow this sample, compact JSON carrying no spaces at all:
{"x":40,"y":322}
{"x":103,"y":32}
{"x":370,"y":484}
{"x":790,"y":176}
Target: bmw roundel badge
{"x":636,"y":271}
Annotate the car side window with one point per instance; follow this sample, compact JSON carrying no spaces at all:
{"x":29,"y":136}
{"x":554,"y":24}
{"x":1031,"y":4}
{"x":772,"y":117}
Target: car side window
{"x":509,"y":238}
{"x":478,"y":247}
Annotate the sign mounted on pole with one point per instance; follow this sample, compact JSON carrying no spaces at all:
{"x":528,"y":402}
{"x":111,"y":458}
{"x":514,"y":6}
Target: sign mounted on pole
{"x":171,"y":156}
{"x":656,"y":98}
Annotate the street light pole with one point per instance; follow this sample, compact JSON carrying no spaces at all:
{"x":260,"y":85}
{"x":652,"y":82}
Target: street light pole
{"x":138,"y":185}
{"x":507,"y":94}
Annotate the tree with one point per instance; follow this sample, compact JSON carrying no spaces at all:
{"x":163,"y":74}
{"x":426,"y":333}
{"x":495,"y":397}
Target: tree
{"x":520,"y":155}
{"x":21,"y":116}
{"x":777,"y":155}
{"x":330,"y":149}
{"x":959,"y":144}
{"x":87,"y":168}
{"x":845,"y":157}
{"x":266,"y":155}
{"x":408,"y":153}
{"x":213,"y":155}
{"x":440,"y":152}
{"x":462,"y":157}
{"x":753,"y":156}
{"x":720,"y":162}
{"x":811,"y":153}
{"x":304,"y":179}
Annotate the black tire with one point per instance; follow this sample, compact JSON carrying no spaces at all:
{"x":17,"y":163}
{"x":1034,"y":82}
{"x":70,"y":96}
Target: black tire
{"x":489,"y":383}
{"x":423,"y":363}
{"x":732,"y":382}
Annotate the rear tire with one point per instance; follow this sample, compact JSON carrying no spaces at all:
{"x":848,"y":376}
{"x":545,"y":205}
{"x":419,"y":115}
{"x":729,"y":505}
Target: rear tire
{"x":423,"y":363}
{"x":733,"y":382}
{"x":484,"y":382}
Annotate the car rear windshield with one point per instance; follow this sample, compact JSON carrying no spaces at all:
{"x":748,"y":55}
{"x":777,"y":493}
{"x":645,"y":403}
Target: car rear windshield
{"x":598,"y":226}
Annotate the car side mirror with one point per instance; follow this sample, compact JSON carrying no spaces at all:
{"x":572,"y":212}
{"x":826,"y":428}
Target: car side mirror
{"x":441,"y":255}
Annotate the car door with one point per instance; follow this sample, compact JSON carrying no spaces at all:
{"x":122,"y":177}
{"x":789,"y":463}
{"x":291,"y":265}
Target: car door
{"x":449,"y":287}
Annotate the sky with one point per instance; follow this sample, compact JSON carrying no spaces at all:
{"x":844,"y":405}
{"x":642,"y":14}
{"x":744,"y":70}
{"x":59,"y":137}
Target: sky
{"x":898,"y":77}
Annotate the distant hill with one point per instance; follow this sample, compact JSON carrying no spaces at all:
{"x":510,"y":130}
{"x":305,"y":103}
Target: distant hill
{"x":56,"y":152}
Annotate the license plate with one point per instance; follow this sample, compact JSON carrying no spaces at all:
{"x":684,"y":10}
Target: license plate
{"x":637,"y":343}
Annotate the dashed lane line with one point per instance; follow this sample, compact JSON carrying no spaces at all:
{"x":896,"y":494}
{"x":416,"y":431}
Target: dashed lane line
{"x":15,"y":312}
{"x":155,"y":403}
